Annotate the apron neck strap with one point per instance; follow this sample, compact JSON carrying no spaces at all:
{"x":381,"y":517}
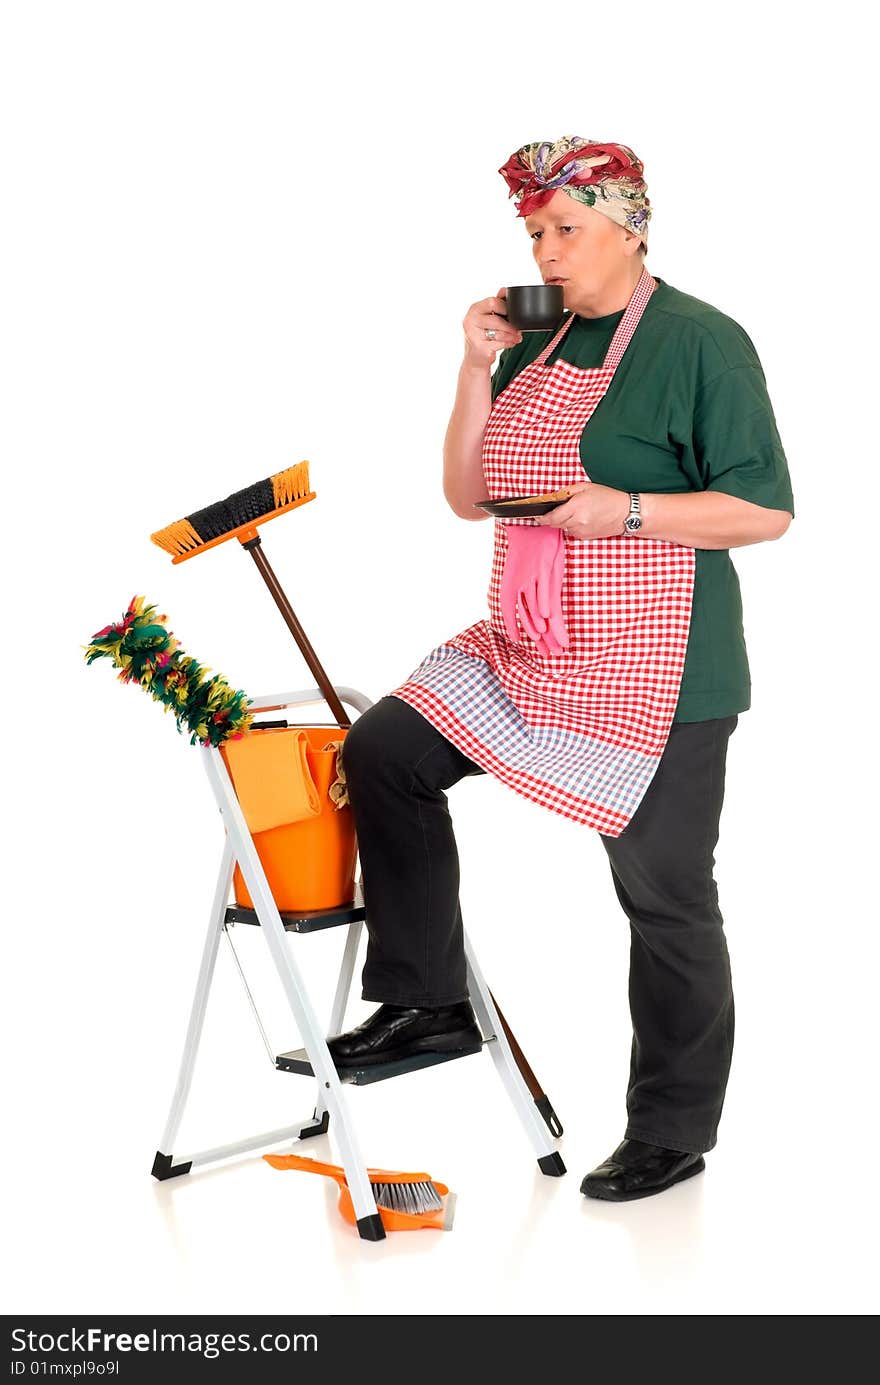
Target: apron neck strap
{"x":556,"y":340}
{"x":630,"y":320}
{"x":625,"y":327}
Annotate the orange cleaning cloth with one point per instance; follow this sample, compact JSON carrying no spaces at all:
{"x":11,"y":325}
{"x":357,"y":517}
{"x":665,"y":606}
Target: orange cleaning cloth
{"x":272,"y":779}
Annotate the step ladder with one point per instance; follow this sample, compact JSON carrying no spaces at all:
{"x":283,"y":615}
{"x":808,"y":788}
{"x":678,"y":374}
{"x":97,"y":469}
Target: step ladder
{"x":313,"y":1060}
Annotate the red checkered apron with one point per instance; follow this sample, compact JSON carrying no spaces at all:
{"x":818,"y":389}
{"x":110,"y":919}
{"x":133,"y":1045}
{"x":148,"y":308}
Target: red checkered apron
{"x":580,"y":732}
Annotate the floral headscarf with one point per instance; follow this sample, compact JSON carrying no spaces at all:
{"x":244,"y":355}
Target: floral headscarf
{"x":607,"y":177}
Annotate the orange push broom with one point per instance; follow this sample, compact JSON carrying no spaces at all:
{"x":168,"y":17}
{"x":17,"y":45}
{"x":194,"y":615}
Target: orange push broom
{"x":238,"y":517}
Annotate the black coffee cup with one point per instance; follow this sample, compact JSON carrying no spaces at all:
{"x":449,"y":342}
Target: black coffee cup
{"x":535,"y":307}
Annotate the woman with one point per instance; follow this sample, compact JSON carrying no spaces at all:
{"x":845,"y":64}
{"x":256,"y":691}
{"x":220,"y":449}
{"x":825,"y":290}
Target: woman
{"x":612,"y":669}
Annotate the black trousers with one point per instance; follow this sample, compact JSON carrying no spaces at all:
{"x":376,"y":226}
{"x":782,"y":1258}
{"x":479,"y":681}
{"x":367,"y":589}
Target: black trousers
{"x":680,"y":991}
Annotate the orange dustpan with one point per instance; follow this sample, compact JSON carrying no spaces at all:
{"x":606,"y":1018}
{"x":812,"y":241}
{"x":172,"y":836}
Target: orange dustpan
{"x":393,"y":1192}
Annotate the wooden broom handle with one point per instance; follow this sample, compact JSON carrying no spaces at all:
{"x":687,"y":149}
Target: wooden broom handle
{"x":529,"y":1077}
{"x":542,"y":1101}
{"x":254,"y":547}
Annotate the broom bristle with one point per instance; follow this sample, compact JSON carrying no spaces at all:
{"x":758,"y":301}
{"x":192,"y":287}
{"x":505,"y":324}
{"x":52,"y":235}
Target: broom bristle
{"x":179,"y":537}
{"x":250,"y":503}
{"x":290,"y":484}
{"x":212,"y":521}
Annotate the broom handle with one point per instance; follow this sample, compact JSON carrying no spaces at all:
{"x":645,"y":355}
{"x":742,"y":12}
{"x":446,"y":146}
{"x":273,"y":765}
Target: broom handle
{"x":254,"y":547}
{"x":529,"y":1077}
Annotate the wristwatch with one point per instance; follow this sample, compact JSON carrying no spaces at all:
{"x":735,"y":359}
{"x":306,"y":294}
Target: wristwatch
{"x":633,"y":522}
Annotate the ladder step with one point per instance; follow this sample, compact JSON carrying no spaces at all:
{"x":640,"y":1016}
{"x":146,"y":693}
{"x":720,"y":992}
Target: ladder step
{"x":297,"y":1061}
{"x":307,"y":921}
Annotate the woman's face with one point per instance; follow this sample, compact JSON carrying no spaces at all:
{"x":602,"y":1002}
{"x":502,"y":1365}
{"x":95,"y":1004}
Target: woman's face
{"x":580,"y":247}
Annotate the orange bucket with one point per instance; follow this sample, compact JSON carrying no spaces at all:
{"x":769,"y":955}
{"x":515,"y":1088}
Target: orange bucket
{"x":309,"y":862}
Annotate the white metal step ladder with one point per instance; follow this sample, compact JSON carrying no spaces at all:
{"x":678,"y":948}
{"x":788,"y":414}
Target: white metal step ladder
{"x":314,"y":1060}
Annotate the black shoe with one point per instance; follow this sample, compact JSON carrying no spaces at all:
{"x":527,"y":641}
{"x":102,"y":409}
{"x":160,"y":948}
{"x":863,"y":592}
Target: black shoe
{"x":398,"y":1031}
{"x":636,"y":1169}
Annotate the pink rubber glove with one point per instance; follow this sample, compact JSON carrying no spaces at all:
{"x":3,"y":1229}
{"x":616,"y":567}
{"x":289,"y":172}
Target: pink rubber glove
{"x":556,"y":634}
{"x":531,"y":585}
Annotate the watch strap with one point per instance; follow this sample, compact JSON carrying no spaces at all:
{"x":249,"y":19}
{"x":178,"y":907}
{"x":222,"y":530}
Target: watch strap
{"x":633,"y":522}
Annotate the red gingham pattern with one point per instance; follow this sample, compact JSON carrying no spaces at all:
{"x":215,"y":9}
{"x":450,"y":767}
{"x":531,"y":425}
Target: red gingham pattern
{"x":626,"y":603}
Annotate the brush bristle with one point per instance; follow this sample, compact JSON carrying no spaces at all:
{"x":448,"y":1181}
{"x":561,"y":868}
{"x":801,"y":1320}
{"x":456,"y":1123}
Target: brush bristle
{"x":291,"y":484}
{"x":176,"y":538}
{"x":407,"y":1197}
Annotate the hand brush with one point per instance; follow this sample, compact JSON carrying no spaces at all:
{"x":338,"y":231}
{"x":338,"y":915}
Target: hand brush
{"x":406,"y":1201}
{"x":237,"y":517}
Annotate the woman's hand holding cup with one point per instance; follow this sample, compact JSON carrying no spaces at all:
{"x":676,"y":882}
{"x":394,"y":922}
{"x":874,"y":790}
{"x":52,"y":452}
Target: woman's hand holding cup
{"x":480,"y":351}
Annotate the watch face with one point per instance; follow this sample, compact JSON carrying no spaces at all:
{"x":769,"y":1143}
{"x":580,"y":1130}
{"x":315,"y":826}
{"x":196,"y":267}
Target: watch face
{"x":633,"y":522}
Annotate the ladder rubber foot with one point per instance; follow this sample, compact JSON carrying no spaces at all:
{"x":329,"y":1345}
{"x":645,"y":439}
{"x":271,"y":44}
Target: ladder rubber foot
{"x":552,"y":1165}
{"x":371,"y":1228}
{"x":163,"y":1168}
{"x":309,"y":1130}
{"x":552,"y":1121}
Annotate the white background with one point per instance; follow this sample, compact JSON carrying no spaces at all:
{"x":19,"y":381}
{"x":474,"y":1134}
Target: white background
{"x":239,"y":236}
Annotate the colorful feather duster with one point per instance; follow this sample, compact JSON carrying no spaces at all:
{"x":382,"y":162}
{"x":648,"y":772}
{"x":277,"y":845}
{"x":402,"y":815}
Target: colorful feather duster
{"x":146,"y":653}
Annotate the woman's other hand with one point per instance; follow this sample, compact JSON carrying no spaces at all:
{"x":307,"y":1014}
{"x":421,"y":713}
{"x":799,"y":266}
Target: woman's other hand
{"x":593,"y":512}
{"x":479,"y":350}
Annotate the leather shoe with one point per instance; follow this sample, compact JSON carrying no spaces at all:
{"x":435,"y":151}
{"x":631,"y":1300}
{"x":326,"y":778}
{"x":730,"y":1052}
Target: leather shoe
{"x":398,"y":1031}
{"x":637,"y":1169}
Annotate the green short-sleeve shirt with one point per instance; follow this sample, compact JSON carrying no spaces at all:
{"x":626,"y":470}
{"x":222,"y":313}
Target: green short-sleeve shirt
{"x":687,"y":410}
